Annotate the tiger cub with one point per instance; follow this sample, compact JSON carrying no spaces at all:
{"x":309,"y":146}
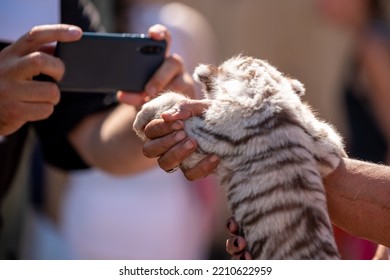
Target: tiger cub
{"x":274,"y":153}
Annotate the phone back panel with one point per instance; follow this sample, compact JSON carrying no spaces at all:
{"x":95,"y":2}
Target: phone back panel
{"x":108,"y":62}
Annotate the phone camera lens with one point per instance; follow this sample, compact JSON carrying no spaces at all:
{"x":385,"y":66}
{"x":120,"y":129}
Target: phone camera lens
{"x":150,"y":50}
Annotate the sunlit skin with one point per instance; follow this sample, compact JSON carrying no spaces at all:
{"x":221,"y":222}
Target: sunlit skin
{"x":23,"y":99}
{"x":358,"y":192}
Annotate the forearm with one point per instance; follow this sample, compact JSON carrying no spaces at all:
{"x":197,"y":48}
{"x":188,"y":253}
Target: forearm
{"x":359,"y":199}
{"x":107,"y":141}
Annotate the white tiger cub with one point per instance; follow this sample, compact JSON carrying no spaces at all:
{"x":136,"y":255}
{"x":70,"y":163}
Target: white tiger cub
{"x":274,"y":153}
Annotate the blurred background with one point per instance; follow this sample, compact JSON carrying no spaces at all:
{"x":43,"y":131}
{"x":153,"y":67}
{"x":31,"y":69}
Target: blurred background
{"x":332,"y":46}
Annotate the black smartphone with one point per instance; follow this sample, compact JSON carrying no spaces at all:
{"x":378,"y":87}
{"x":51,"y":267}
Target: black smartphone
{"x":108,"y":62}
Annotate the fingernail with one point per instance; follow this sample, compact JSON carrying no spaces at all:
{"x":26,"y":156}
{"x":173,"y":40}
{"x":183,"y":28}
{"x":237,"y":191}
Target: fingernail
{"x":235,"y":243}
{"x":171,"y":111}
{"x":228,"y":224}
{"x":180,"y":136}
{"x":176,"y":126}
{"x":214,"y":158}
{"x":188,"y":145}
{"x":74,"y":31}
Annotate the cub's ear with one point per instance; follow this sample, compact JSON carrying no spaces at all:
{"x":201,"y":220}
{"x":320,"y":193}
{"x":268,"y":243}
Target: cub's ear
{"x":298,"y":87}
{"x":205,"y":74}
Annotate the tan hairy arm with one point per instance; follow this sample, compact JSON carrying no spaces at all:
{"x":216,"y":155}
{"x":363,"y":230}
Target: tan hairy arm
{"x":107,"y":141}
{"x":358,"y":196}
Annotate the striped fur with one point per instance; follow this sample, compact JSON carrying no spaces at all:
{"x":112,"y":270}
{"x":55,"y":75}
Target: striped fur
{"x":274,"y":153}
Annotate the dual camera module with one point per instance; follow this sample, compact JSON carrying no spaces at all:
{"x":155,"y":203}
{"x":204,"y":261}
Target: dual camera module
{"x":150,"y":49}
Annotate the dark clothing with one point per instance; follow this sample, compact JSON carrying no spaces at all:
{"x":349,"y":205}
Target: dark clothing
{"x":10,"y":151}
{"x":53,"y":131}
{"x":72,"y":108}
{"x":81,"y":13}
{"x":367,"y":141}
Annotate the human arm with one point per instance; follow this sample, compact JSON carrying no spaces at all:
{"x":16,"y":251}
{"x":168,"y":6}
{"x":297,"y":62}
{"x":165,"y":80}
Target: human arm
{"x":170,"y":76}
{"x":106,"y":140}
{"x":358,"y":195}
{"x":170,"y":144}
{"x":358,"y":192}
{"x":23,"y":99}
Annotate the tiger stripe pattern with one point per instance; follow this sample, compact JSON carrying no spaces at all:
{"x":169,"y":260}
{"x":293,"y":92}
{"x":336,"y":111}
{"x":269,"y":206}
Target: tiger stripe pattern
{"x":274,"y":154}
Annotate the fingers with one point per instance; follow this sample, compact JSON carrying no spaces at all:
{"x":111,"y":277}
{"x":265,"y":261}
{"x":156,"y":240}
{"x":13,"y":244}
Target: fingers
{"x":236,"y":245}
{"x":173,"y":149}
{"x":171,"y":68}
{"x":232,"y":226}
{"x":177,"y":154}
{"x":160,"y":32}
{"x":161,"y":78}
{"x":158,"y":128}
{"x":135,"y":99}
{"x":30,"y":91}
{"x":44,"y":34}
{"x":21,"y":112}
{"x":167,"y":143}
{"x":39,"y":92}
{"x":203,"y":168}
{"x":171,"y":75}
{"x":170,"y":143}
{"x":23,"y":98}
{"x":184,"y":84}
{"x":160,"y":146}
{"x":36,"y":111}
{"x":37,"y":63}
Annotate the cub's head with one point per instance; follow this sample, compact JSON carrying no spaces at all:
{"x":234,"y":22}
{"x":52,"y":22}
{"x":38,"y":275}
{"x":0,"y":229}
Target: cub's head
{"x":243,"y":77}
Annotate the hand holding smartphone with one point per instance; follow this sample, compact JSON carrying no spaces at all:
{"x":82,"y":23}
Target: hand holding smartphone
{"x":108,"y":62}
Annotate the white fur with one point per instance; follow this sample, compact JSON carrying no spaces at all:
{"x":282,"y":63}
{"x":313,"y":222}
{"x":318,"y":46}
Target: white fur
{"x":246,"y":92}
